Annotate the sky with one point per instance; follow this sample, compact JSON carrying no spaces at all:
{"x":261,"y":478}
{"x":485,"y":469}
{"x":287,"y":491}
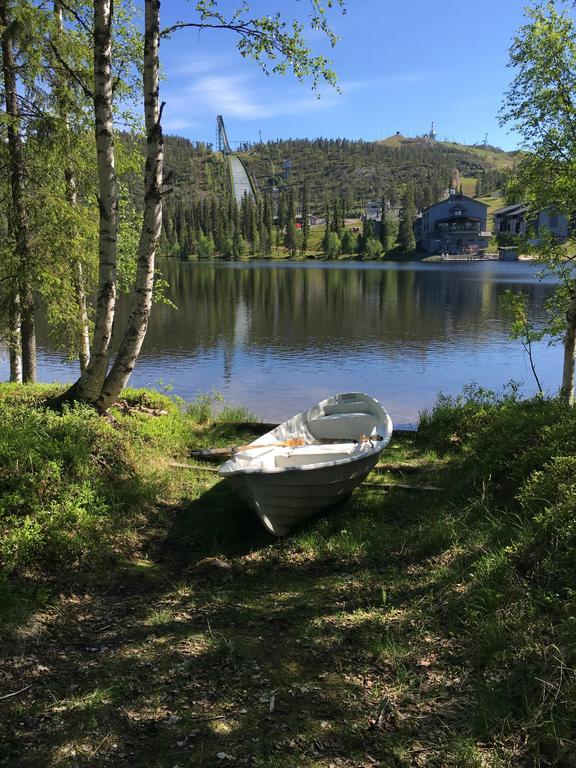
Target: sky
{"x":401,"y":64}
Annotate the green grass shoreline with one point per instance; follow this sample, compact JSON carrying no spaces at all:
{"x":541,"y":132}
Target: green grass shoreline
{"x":405,"y":628}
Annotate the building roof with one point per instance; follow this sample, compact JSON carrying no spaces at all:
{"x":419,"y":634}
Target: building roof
{"x":514,"y":208}
{"x":454,"y":199}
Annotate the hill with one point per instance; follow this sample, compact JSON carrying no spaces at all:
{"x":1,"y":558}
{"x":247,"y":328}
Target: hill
{"x":493,"y":156}
{"x":359,"y":170}
{"x":350,"y":172}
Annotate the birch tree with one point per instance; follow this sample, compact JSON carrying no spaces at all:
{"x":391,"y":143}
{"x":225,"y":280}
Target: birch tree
{"x":540,"y":105}
{"x":272,"y":42}
{"x":22,"y":331}
{"x":60,"y":91}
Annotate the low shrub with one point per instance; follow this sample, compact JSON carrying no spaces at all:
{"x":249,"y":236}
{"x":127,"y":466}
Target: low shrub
{"x":549,"y":497}
{"x":66,"y":482}
{"x":501,"y":438}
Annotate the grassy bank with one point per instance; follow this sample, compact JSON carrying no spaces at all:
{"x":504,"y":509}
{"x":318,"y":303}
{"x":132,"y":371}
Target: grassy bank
{"x":406,"y":628}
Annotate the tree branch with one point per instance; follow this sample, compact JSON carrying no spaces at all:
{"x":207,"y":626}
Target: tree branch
{"x":76,"y":16}
{"x":87,"y":92}
{"x":243,"y":29}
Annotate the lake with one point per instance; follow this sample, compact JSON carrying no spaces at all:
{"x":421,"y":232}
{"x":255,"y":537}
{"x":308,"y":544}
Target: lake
{"x":279,"y":336}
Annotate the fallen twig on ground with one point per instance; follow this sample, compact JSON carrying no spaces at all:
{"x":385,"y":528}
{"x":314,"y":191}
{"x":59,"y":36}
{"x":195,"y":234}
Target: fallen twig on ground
{"x":407,"y":468}
{"x":202,"y":467}
{"x":14,"y":693}
{"x":403,"y":486}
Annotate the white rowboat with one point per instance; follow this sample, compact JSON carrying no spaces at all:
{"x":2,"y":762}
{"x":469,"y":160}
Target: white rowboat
{"x":311,"y":461}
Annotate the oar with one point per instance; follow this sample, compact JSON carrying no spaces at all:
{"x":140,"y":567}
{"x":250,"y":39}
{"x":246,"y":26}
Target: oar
{"x":292,"y":443}
{"x":295,"y":442}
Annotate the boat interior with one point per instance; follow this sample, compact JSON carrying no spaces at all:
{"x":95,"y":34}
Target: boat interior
{"x":342,"y":428}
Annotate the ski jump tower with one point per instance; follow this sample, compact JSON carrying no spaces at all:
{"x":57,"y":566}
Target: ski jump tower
{"x":239,"y":179}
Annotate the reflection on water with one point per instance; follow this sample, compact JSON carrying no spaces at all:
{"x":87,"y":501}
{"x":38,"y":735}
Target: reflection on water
{"x":278,"y":337}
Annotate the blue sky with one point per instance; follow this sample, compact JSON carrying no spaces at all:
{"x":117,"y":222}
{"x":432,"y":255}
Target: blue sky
{"x":400,"y":64}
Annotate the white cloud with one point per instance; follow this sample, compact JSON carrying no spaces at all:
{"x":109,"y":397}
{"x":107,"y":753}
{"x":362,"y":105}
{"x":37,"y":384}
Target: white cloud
{"x":178,"y":124}
{"x":200,"y":64}
{"x":213,"y":84}
{"x":242,"y":97}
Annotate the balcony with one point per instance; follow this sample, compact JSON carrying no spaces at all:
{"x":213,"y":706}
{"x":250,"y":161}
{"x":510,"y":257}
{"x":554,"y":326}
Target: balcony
{"x":458,"y":228}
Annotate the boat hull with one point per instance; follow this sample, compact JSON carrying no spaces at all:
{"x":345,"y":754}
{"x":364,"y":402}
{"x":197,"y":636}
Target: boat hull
{"x":285,"y":499}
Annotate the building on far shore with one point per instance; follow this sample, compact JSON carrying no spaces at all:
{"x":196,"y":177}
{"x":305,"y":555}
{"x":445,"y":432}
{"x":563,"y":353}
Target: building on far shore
{"x":373,"y":214}
{"x":457,"y":225}
{"x":373,"y":210}
{"x":518,"y":219}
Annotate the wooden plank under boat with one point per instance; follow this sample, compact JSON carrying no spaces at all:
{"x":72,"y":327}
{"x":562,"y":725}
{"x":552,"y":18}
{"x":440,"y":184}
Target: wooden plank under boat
{"x":311,"y":461}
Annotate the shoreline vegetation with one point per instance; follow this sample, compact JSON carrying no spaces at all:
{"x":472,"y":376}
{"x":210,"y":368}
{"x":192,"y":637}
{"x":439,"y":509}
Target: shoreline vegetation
{"x":410,"y":256}
{"x":315,"y":253}
{"x":147,"y":619}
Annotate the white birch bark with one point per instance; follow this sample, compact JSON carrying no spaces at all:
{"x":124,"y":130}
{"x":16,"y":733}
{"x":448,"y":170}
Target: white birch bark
{"x":71,"y":194}
{"x":84,"y":335}
{"x":152,"y":223}
{"x":15,"y":338}
{"x":89,"y":386}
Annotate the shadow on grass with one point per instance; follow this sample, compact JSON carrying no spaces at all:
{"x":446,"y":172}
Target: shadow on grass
{"x":344,"y":641}
{"x":215,"y":524}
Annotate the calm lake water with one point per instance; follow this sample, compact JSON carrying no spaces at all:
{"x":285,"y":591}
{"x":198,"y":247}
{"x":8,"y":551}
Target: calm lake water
{"x":277,"y":337}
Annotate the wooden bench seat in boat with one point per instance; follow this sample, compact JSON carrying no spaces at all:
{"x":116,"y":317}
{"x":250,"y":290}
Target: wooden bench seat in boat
{"x":342,"y":426}
{"x":315,"y":454}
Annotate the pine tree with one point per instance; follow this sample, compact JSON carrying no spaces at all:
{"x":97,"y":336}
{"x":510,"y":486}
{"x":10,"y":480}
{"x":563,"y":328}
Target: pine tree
{"x":390,"y":231}
{"x":244,"y":217}
{"x":291,"y":237}
{"x":367,"y":235}
{"x":206,"y":216}
{"x":349,"y":242}
{"x":336,"y":217}
{"x":383,"y":237}
{"x":215,"y":229}
{"x":268,"y":216}
{"x":407,"y":216}
{"x":254,"y":237}
{"x":326,"y":238}
{"x":305,"y":203}
{"x":236,"y":244}
{"x":290,"y":231}
{"x":281,"y":216}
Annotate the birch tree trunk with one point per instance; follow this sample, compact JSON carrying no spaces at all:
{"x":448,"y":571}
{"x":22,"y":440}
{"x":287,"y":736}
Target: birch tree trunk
{"x":79,"y":287}
{"x":97,"y":386}
{"x":71,"y":195}
{"x":15,"y":338}
{"x":89,"y":386}
{"x":567,"y":389}
{"x":152,"y":223}
{"x":25,"y":317}
{"x":84,"y":335}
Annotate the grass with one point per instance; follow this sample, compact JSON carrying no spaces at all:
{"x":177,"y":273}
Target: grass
{"x":402,"y":629}
{"x":493,"y":202}
{"x":469,"y":185}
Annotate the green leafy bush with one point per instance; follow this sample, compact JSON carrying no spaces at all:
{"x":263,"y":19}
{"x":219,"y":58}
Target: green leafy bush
{"x":549,"y":498}
{"x":66,"y":481}
{"x":501,"y":438}
{"x":454,"y":420}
